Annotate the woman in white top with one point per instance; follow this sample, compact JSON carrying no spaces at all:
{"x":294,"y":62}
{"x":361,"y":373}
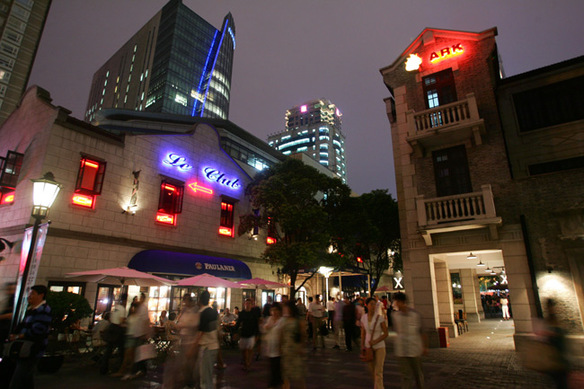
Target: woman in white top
{"x":316,"y":312}
{"x":373,"y":334}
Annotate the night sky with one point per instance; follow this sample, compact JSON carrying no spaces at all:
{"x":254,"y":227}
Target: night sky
{"x":291,"y":51}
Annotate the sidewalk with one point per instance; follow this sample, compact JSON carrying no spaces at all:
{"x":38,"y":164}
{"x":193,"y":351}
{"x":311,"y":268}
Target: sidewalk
{"x":482,"y":358}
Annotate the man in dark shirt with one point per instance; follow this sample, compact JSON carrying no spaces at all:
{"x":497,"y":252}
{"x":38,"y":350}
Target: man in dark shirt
{"x":349,"y":319}
{"x":267,"y":306}
{"x":248,"y":323}
{"x":207,"y":339}
{"x":35,"y":327}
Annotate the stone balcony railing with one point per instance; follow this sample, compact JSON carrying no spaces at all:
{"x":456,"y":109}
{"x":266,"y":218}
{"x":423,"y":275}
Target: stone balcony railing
{"x":446,"y":123}
{"x":462,"y":207}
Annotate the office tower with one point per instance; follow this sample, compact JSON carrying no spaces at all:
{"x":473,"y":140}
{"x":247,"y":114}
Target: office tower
{"x":314,"y":128}
{"x":176,"y":63}
{"x":21,"y":25}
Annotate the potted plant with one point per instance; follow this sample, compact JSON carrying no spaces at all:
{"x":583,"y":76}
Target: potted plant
{"x":67,"y":309}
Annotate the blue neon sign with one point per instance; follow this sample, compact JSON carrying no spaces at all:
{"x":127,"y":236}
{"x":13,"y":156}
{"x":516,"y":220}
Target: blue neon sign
{"x":215,"y":175}
{"x":177,"y":161}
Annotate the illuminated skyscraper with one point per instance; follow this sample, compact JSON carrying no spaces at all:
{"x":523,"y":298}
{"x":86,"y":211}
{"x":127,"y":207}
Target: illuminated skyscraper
{"x":177,"y":63}
{"x":314,"y":128}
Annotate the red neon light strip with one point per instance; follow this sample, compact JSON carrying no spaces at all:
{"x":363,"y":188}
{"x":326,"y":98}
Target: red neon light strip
{"x":83,"y":201}
{"x":171,"y":188}
{"x":8,"y":198}
{"x":165,"y":218}
{"x":92,"y":164}
{"x":270,"y":240}
{"x":225,"y":231}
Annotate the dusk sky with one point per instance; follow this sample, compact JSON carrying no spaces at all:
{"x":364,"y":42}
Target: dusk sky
{"x":291,"y":51}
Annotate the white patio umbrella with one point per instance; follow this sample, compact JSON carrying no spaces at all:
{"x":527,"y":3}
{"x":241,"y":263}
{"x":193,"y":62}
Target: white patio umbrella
{"x":259,"y":283}
{"x":208,"y":281}
{"x":120,"y":276}
{"x":383,"y":288}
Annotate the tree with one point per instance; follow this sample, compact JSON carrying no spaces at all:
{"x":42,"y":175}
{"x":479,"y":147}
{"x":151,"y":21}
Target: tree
{"x":367,"y":231}
{"x":295,"y":202}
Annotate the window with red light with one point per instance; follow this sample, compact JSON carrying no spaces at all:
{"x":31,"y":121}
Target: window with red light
{"x":89,"y":181}
{"x":226,"y":222}
{"x":170,"y":202}
{"x":9,"y":172}
{"x":271,"y":239}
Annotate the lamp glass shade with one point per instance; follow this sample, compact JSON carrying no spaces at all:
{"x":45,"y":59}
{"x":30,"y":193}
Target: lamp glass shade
{"x":45,"y":191}
{"x":471,"y":256}
{"x":481,"y":264}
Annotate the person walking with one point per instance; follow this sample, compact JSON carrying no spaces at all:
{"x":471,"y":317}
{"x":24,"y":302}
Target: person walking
{"x":115,"y":333}
{"x":293,"y":350}
{"x":373,"y":334}
{"x":248,"y":324}
{"x":330,"y":313}
{"x":409,"y":343}
{"x":338,"y":322}
{"x":505,"y":307}
{"x":34,"y":327}
{"x":207,"y":339}
{"x":349,"y":319}
{"x":316,"y":313}
{"x":272,"y":334}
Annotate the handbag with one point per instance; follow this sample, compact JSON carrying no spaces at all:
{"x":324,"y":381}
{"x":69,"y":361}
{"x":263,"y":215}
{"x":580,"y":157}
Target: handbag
{"x":144,"y":352}
{"x":19,"y":348}
{"x":367,"y":354}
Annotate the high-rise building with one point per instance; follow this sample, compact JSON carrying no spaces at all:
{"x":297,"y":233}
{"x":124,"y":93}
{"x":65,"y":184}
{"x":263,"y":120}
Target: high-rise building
{"x":21,"y":25}
{"x":176,"y":63}
{"x":314,"y":128}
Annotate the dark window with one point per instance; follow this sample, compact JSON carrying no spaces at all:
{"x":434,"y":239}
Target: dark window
{"x":556,"y":166}
{"x":439,"y":88}
{"x":90,"y":176}
{"x":562,"y":102}
{"x":171,"y":196}
{"x":451,"y":171}
{"x":10,"y":169}
{"x":226,"y":222}
{"x":272,"y":233}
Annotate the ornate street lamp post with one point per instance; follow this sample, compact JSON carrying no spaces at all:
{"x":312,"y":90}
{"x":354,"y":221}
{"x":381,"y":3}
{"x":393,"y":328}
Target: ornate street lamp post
{"x":45,"y":191}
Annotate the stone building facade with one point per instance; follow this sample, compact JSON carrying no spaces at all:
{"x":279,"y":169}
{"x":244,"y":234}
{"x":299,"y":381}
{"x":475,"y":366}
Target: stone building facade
{"x":145,"y":160}
{"x":461,"y":202}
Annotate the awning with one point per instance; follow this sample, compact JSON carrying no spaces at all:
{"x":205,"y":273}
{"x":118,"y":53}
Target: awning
{"x":170,"y":262}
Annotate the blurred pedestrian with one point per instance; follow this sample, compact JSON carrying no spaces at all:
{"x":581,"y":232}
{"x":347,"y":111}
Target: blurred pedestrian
{"x":505,"y":307}
{"x":6,"y":308}
{"x":34,"y":327}
{"x":272,"y":333}
{"x":409,"y":343}
{"x":330,"y":313}
{"x":301,"y":307}
{"x":207,"y":339}
{"x":373,"y":334}
{"x":338,"y":322}
{"x":267,"y":307}
{"x":555,"y":335}
{"x":293,"y":349}
{"x":115,"y":333}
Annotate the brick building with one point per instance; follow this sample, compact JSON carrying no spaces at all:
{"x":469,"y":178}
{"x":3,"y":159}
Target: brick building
{"x":465,"y":192}
{"x":154,"y":192}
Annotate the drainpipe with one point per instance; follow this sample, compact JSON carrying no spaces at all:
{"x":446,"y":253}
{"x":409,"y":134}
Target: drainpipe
{"x":531,"y":265}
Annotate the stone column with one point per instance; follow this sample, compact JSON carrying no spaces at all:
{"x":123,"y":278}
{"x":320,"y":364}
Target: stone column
{"x":468,"y":279}
{"x":444,"y":294}
{"x":477,"y":286}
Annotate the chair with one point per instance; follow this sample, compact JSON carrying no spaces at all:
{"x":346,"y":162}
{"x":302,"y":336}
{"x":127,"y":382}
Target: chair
{"x":459,"y":324}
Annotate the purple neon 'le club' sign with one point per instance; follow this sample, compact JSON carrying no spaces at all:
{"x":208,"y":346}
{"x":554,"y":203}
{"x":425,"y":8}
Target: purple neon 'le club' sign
{"x":215,"y":175}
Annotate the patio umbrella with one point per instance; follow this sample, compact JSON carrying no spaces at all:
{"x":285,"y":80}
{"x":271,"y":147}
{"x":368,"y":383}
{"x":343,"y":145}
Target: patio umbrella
{"x":383,"y":288}
{"x":121,"y":276}
{"x":209,"y":281}
{"x":259,"y":283}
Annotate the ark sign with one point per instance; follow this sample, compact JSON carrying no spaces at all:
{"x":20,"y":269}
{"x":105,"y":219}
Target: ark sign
{"x":446,"y":52}
{"x":215,"y":175}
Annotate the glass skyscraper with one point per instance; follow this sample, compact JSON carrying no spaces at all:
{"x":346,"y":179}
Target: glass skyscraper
{"x":176,"y":63}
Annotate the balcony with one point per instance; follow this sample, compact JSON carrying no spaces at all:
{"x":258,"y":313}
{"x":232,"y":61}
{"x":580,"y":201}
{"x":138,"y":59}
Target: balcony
{"x":458,"y":212}
{"x":446,"y":124}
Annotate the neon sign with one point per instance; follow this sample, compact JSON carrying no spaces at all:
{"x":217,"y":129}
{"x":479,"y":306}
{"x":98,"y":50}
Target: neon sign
{"x":270,"y":240}
{"x":196,"y":187}
{"x":165,"y":218}
{"x":8,"y":198}
{"x":83,"y":200}
{"x":177,"y":161}
{"x":446,"y":52}
{"x":219,"y":177}
{"x":225,"y":231}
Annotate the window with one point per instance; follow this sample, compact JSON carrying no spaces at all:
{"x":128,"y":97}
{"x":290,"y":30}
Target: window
{"x":89,"y":181}
{"x":64,"y":286}
{"x":451,"y":171}
{"x":439,"y":89}
{"x":10,"y":169}
{"x":226,"y":222}
{"x":272,"y":233}
{"x":170,"y":202}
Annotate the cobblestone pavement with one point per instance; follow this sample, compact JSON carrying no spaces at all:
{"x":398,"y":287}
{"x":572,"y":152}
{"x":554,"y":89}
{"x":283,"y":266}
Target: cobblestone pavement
{"x":481,"y":358}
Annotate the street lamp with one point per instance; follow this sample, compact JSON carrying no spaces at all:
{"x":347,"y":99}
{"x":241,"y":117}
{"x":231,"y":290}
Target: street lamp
{"x":326,"y":272}
{"x":45,"y":191}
